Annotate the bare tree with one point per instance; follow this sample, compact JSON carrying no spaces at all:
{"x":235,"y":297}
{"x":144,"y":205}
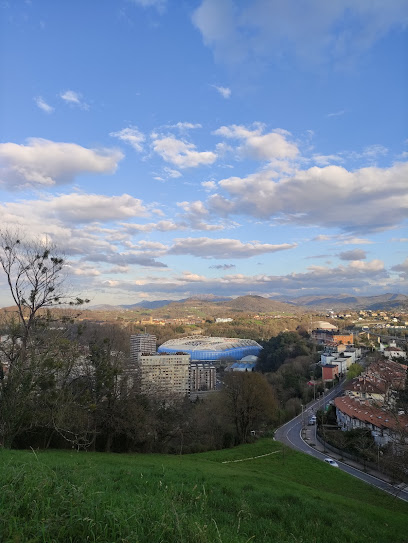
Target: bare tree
{"x":35,"y":275}
{"x":250,"y":402}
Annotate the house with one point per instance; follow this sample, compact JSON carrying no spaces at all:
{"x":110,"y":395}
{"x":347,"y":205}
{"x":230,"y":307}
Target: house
{"x":329,"y":372}
{"x":379,"y":383}
{"x":341,"y":356}
{"x":342,"y":362}
{"x":364,"y":388}
{"x":394,"y":353}
{"x":385,"y":426}
{"x":344,"y":339}
{"x":327,"y":358}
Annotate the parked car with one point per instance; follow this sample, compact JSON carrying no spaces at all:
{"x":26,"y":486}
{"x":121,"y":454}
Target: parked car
{"x":331,"y":462}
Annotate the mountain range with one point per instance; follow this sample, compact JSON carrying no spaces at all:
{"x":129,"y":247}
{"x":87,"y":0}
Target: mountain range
{"x":263,"y":305}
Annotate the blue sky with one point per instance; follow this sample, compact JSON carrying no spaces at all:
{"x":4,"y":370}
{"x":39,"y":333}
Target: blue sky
{"x":174,"y":148}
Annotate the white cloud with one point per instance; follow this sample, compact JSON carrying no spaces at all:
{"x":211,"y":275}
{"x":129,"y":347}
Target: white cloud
{"x":42,"y":104}
{"x":260,"y":146}
{"x":371,"y":153}
{"x":126,"y":258}
{"x":158,"y":4}
{"x":375,"y":151}
{"x":183,"y":127}
{"x":174,"y":174}
{"x":74,"y":99}
{"x":84,"y":270}
{"x":130,"y":135}
{"x":118,"y":269}
{"x":314,"y":32}
{"x":336,"y":113}
{"x":224,"y":248}
{"x":330,"y":196}
{"x":196,"y":215}
{"x":322,"y":237}
{"x":209,"y":185}
{"x":181,"y":153}
{"x":155,"y":246}
{"x":217,"y":22}
{"x":374,"y":266}
{"x":325,"y":160}
{"x":224,"y":91}
{"x":45,"y":163}
{"x":161,"y":226}
{"x":76,"y":208}
{"x":83,"y":208}
{"x":355,"y":241}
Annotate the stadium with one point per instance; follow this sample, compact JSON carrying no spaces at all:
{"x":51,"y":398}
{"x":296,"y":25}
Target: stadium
{"x":204,"y":348}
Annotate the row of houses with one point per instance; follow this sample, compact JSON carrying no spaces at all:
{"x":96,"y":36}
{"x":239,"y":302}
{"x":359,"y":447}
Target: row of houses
{"x":336,"y":360}
{"x":370,"y":402}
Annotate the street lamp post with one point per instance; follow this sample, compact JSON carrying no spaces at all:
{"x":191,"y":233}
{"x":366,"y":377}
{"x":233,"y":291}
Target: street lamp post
{"x":314,"y":387}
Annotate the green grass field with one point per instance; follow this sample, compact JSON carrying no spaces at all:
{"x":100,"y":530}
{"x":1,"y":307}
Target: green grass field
{"x":57,"y":496}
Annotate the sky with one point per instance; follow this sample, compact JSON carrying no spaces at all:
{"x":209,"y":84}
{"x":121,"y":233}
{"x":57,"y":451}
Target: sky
{"x":171,"y":148}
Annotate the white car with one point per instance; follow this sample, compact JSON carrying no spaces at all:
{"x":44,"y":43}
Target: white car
{"x":331,"y":462}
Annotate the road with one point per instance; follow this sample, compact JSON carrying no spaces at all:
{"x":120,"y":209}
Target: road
{"x":290,"y":434}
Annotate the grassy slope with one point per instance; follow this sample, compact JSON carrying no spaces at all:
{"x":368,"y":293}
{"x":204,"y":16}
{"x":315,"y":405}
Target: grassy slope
{"x":285,"y":497}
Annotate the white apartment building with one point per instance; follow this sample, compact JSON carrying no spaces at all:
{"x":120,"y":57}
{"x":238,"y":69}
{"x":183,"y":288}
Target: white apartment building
{"x":164,"y":374}
{"x":395,"y":353}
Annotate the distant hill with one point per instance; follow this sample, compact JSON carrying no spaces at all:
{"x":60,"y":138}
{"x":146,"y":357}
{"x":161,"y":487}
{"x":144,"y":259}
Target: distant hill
{"x":258,"y":304}
{"x":208,"y":298}
{"x":157,"y":304}
{"x":104,"y":307}
{"x":145,"y":304}
{"x":148,"y":305}
{"x":344,"y":301}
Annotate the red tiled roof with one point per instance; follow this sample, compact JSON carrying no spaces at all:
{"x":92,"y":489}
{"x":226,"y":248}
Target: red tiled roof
{"x":369,"y":414}
{"x":365,"y":384}
{"x":379,"y":377}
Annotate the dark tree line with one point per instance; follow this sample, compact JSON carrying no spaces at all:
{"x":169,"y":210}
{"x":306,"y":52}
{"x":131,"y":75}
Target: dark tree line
{"x":278,"y":349}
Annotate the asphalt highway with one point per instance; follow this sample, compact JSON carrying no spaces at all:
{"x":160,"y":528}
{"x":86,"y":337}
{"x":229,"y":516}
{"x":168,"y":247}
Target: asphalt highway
{"x":290,"y":434}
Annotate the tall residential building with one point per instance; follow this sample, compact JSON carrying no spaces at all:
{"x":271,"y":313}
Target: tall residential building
{"x":141,"y":344}
{"x":202,"y":377}
{"x":164,"y":374}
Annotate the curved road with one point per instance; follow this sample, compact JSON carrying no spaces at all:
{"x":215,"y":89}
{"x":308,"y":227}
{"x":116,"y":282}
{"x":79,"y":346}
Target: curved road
{"x":290,"y":434}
